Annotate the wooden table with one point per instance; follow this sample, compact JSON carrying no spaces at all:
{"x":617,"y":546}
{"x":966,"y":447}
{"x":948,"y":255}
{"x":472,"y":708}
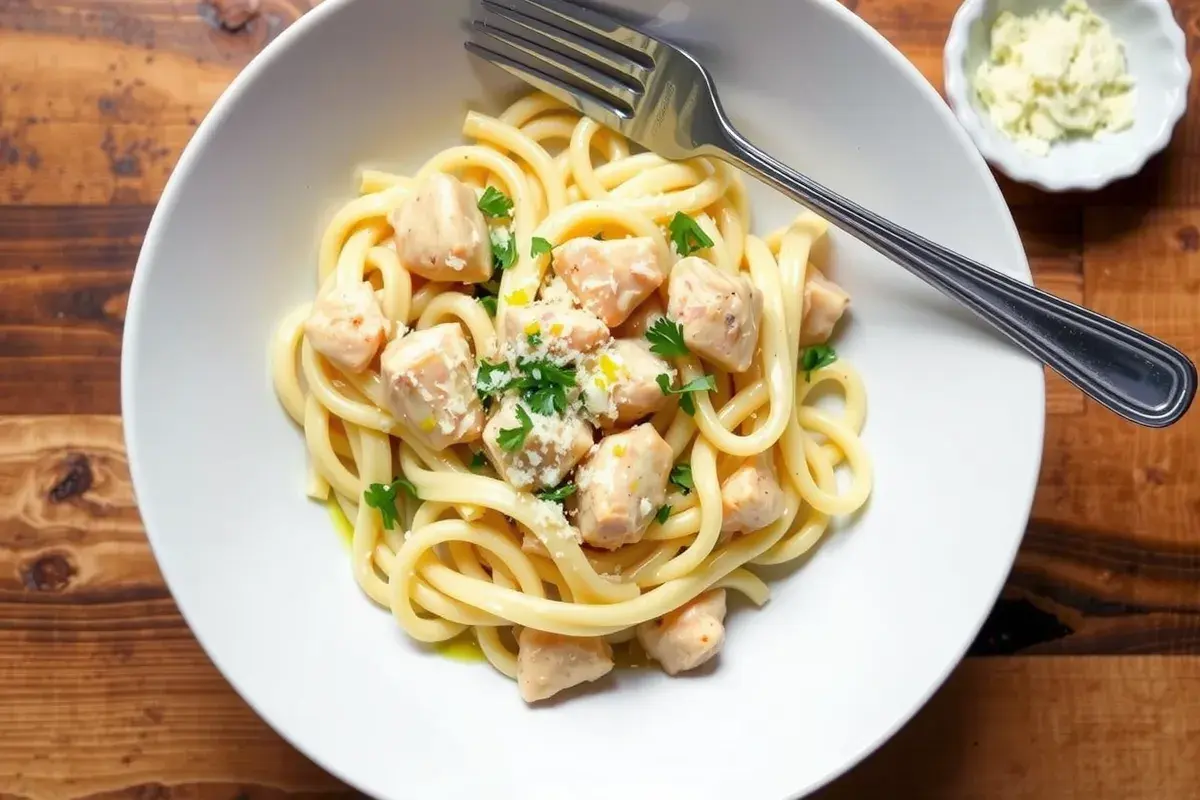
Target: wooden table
{"x":1085,"y":682}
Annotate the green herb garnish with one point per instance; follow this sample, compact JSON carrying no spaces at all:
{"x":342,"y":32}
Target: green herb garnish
{"x":816,"y":357}
{"x":504,"y":249}
{"x":662,"y":515}
{"x":491,"y":380}
{"x":557,"y":494}
{"x":543,"y":385}
{"x":539,"y":246}
{"x":487,"y":294}
{"x":687,"y":234}
{"x":681,"y":476}
{"x":495,"y":203}
{"x":703,"y":384}
{"x":512,"y":438}
{"x":382,"y":497}
{"x":666,"y":338}
{"x":478,"y":461}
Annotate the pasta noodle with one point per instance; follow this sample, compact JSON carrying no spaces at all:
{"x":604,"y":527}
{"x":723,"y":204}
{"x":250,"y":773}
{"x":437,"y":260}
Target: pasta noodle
{"x":476,"y":554}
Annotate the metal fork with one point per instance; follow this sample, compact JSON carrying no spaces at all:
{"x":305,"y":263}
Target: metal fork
{"x":662,"y":98}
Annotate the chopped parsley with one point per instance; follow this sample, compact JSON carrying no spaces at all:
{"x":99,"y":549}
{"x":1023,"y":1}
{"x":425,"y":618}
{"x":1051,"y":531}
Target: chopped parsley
{"x":703,"y":384}
{"x":681,"y":476}
{"x":539,"y":246}
{"x":662,"y":515}
{"x":382,"y":497}
{"x":543,"y":385}
{"x":687,"y":234}
{"x":504,"y":249}
{"x":666,"y":338}
{"x":534,"y":340}
{"x":512,"y":438}
{"x":557,"y":494}
{"x":491,"y":380}
{"x":487,"y":294}
{"x":478,"y":461}
{"x":816,"y":357}
{"x":495,"y":203}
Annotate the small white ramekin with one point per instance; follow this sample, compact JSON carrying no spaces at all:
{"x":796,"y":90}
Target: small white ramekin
{"x":1156,"y":50}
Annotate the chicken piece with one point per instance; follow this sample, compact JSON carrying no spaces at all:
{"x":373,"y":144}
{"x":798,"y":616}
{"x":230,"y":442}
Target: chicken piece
{"x":824,"y":304}
{"x":610,"y":278}
{"x":642,"y":318}
{"x":541,"y":330}
{"x":552,"y":447}
{"x":621,"y":485}
{"x":428,"y":377}
{"x":555,"y":292}
{"x":547,"y":663}
{"x":619,"y":383}
{"x":348,"y":327}
{"x":440,"y":232}
{"x":720,"y":312}
{"x":688,"y":636}
{"x":750,"y":497}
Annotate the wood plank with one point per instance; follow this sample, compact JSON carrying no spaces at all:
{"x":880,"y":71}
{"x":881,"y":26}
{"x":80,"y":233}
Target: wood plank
{"x":1044,"y":727}
{"x":64,"y":285}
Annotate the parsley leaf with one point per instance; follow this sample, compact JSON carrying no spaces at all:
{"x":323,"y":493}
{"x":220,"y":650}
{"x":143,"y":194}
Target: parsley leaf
{"x":491,"y":380}
{"x":662,"y":515}
{"x":512,"y":438}
{"x":487,"y":295}
{"x":816,"y":357}
{"x":534,"y":339}
{"x":557,"y":494}
{"x":478,"y":461}
{"x":666,"y":338}
{"x":703,"y":384}
{"x":382,"y":497}
{"x":504,"y":249}
{"x":547,"y":400}
{"x":687,"y":234}
{"x":681,"y":476}
{"x":539,"y":246}
{"x":544,"y":385}
{"x":495,"y":203}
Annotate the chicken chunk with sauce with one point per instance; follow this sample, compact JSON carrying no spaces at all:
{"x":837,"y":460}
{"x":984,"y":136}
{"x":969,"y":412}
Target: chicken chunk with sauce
{"x":551,"y":449}
{"x":428,"y":378}
{"x":619,"y":383}
{"x":642,"y":318}
{"x":348,"y":327}
{"x":547,"y":663}
{"x":440,"y":232}
{"x":621,"y":485}
{"x":750,"y":497}
{"x":824,"y":304}
{"x":687,"y":637}
{"x":559,"y":331}
{"x":720,"y":312}
{"x":610,"y":278}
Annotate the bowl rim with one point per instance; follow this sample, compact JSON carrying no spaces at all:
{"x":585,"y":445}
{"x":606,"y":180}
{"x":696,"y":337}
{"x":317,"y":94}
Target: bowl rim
{"x":958,"y":96}
{"x":165,"y":209}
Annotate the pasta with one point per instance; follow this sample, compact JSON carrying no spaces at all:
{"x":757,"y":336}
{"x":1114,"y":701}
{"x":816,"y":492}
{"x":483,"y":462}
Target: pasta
{"x":552,"y":557}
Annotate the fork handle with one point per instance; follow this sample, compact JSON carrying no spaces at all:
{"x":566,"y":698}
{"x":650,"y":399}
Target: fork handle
{"x":1137,"y":376}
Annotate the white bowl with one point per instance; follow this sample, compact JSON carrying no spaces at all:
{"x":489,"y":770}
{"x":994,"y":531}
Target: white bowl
{"x":1156,"y":51}
{"x":853,"y":641}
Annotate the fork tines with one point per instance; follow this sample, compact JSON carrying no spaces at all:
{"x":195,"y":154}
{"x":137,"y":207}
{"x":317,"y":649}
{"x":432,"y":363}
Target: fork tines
{"x":584,"y":58}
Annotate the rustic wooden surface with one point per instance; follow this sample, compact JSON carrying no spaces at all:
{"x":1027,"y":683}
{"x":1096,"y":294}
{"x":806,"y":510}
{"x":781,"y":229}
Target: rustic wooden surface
{"x":1084,"y":683}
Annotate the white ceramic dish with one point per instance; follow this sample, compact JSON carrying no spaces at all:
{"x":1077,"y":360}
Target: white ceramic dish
{"x":852,"y":643}
{"x":1156,"y":51}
